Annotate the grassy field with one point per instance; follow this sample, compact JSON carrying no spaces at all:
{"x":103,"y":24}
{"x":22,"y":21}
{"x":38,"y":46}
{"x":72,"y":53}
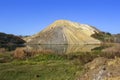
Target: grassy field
{"x":49,"y":66}
{"x":41,"y":67}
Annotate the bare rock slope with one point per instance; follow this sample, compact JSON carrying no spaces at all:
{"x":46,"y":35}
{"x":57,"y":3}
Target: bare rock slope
{"x":65,"y":32}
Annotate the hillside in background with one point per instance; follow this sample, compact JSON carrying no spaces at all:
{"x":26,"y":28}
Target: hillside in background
{"x":9,"y":39}
{"x":107,"y":37}
{"x":65,"y":32}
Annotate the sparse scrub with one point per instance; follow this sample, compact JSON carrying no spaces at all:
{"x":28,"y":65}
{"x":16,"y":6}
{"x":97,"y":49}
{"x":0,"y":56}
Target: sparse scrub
{"x":41,"y":67}
{"x":103,"y":36}
{"x":5,"y":57}
{"x":19,"y":53}
{"x":113,"y":49}
{"x":2,"y":50}
{"x":23,"y":53}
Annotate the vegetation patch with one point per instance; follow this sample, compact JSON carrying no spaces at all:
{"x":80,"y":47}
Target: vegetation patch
{"x":41,"y":67}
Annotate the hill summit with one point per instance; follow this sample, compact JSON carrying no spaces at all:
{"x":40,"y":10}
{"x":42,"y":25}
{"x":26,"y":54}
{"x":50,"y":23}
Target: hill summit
{"x":65,"y":32}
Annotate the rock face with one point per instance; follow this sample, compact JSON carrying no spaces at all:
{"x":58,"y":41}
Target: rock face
{"x":65,"y":32}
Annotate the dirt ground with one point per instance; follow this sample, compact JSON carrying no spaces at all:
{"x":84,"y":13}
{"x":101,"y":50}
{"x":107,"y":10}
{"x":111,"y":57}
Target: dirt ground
{"x":102,"y":69}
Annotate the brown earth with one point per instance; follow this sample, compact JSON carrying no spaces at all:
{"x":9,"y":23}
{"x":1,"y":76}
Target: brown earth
{"x":102,"y":69}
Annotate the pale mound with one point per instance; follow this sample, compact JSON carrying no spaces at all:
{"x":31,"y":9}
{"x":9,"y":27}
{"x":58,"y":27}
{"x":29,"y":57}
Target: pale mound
{"x":65,"y":32}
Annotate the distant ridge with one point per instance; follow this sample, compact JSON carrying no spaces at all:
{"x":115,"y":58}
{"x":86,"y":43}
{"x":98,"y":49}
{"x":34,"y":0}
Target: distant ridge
{"x":10,"y":39}
{"x":65,"y":32}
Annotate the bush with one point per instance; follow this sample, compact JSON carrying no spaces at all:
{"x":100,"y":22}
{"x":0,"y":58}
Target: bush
{"x":19,"y":53}
{"x":2,"y":50}
{"x":23,"y":53}
{"x":103,"y":36}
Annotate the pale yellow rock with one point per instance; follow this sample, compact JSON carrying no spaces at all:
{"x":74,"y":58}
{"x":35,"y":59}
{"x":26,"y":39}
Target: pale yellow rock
{"x":65,"y":32}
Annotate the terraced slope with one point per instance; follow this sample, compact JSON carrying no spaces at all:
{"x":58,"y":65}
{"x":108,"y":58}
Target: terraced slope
{"x":65,"y":32}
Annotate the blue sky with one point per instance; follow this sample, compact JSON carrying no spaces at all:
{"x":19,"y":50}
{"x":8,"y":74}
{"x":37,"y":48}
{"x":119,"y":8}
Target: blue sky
{"x":27,"y":17}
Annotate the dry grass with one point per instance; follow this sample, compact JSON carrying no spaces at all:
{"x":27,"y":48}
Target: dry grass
{"x":113,"y":49}
{"x":19,"y":53}
{"x":23,"y":53}
{"x":2,"y":50}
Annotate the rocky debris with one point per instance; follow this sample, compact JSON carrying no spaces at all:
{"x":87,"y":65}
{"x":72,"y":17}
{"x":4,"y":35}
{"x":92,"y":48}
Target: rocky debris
{"x":102,"y":69}
{"x":65,"y":32}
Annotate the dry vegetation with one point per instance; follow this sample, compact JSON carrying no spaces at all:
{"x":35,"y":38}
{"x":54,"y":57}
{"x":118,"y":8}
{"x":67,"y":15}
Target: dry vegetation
{"x":105,"y":66}
{"x":2,"y":50}
{"x":91,"y":63}
{"x":102,"y":69}
{"x":114,"y":49}
{"x":23,"y":53}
